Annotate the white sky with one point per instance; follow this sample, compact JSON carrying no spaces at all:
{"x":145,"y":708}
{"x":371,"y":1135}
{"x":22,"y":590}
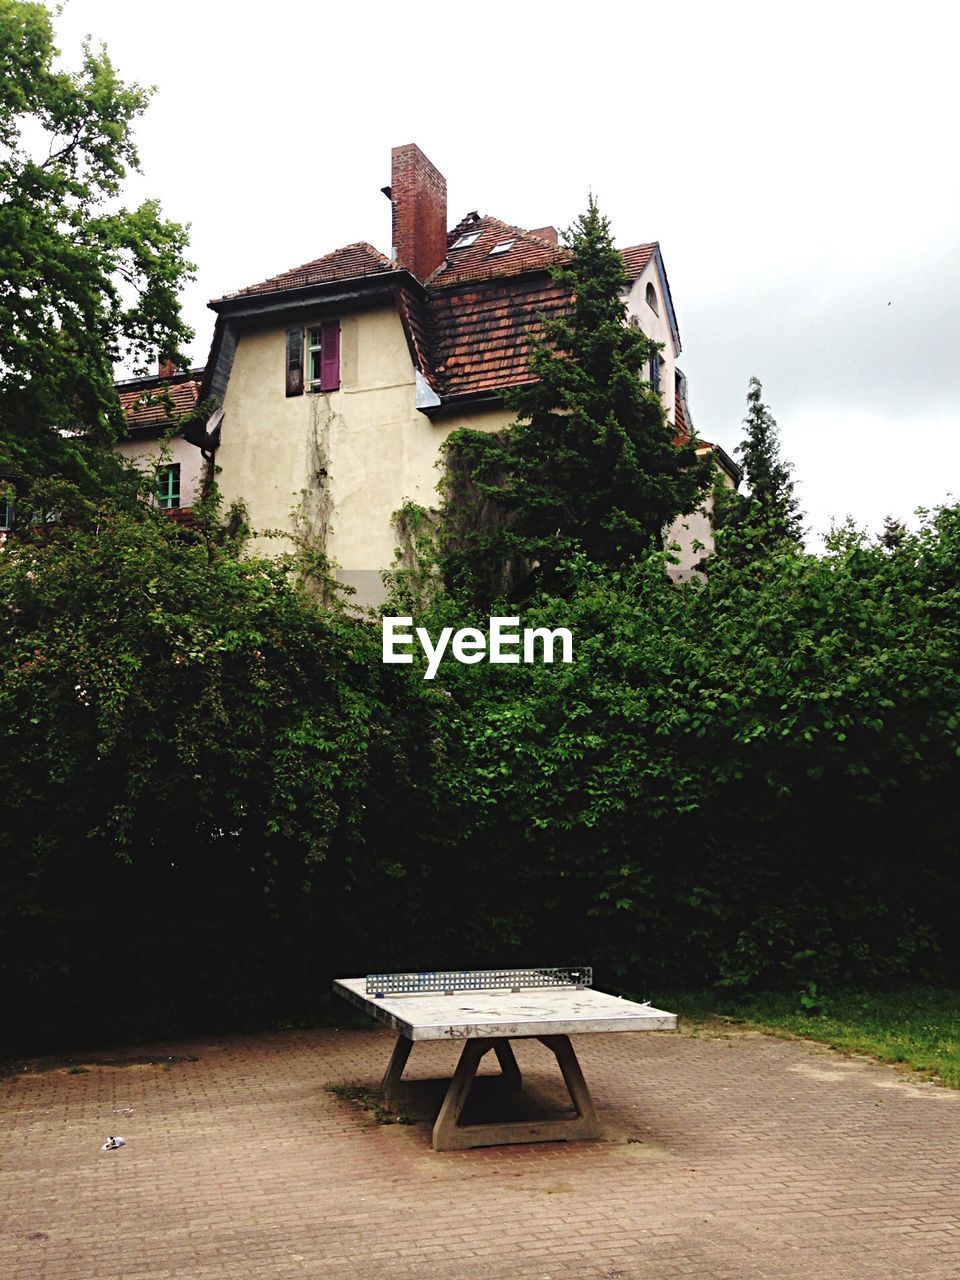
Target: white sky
{"x":799,"y":169}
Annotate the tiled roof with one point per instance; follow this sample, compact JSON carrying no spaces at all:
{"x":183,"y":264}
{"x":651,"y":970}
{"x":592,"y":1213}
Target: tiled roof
{"x":481,"y":332}
{"x":159,"y":403}
{"x":527,"y":253}
{"x":353,"y":260}
{"x":469,"y":328}
{"x":484,"y":310}
{"x":637,"y":257}
{"x":415,"y":315}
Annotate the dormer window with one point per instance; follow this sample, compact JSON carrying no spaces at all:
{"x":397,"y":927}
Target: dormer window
{"x":322,"y":358}
{"x":503,"y":246}
{"x":651,"y":296}
{"x":465,"y":241}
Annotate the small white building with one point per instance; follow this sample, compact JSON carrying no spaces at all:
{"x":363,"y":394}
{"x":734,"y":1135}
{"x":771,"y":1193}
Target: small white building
{"x":155,"y":408}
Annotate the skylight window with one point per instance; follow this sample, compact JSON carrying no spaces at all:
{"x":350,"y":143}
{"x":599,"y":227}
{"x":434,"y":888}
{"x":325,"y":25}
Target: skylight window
{"x":466,"y":241}
{"x":502,"y":247}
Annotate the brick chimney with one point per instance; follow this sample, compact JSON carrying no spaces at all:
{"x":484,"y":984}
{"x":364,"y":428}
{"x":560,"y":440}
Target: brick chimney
{"x":546,"y":233}
{"x":418,"y":193}
{"x":166,"y":367}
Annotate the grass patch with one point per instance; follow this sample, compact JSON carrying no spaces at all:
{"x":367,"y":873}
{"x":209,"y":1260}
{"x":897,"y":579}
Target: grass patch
{"x":917,"y":1027}
{"x":80,"y":1066}
{"x":364,"y":1097}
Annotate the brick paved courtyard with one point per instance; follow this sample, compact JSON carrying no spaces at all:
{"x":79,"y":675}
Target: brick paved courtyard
{"x":740,"y":1157}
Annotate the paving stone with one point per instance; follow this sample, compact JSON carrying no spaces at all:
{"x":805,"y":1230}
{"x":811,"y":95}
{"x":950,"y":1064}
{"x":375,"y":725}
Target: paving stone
{"x":751,"y":1158}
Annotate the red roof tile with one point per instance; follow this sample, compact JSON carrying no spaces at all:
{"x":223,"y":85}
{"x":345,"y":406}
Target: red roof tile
{"x":415,"y":315}
{"x":484,"y":310}
{"x":527,"y":253}
{"x":153,"y":403}
{"x":353,"y":260}
{"x":636,"y":258}
{"x":481,"y":334}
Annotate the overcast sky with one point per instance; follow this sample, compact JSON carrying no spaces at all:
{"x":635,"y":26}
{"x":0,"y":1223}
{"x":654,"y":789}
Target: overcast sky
{"x":798,"y":168}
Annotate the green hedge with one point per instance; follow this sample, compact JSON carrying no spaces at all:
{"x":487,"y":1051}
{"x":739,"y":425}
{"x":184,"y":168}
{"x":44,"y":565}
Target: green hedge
{"x":214,"y":796}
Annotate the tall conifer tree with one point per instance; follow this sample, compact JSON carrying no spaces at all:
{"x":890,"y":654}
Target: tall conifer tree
{"x":591,"y":463}
{"x":768,"y":515}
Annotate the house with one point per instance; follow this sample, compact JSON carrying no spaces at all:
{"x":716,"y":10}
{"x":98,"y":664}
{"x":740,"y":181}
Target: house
{"x":340,"y":379}
{"x":155,"y":408}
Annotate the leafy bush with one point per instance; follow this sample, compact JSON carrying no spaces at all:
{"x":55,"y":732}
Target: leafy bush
{"x":200,"y":768}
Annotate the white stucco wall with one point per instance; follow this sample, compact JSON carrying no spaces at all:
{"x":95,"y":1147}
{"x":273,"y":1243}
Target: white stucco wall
{"x":341,"y":462}
{"x":657,"y":327}
{"x":148,"y":455}
{"x":688,"y":531}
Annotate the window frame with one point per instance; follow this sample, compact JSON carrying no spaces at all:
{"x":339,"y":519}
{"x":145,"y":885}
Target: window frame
{"x":169,"y":496}
{"x":313,"y":357}
{"x":313,"y":350}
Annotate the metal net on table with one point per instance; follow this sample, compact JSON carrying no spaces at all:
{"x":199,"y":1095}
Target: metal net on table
{"x":448,"y":981}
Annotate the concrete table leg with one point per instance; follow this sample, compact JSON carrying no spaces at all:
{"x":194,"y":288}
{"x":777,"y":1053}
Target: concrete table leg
{"x":450,"y":1135}
{"x":509,"y":1067}
{"x":390,"y":1087}
{"x":576,"y":1085}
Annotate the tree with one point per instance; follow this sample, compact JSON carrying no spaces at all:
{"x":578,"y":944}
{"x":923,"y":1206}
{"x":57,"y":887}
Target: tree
{"x":591,"y":464}
{"x":84,"y":281}
{"x":768,"y":516}
{"x":752,"y":779}
{"x":893,"y":534}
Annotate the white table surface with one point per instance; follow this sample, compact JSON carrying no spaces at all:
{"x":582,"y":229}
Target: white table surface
{"x":540,"y":1011}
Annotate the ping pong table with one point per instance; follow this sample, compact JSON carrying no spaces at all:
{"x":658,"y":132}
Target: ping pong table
{"x":486,"y":1010}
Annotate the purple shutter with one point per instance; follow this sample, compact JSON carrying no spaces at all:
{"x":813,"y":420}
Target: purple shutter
{"x":294,"y":362}
{"x":330,"y":355}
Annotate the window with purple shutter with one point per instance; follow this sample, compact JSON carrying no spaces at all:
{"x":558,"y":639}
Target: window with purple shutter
{"x":330,"y":355}
{"x":324,"y":356}
{"x":294,"y":362}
